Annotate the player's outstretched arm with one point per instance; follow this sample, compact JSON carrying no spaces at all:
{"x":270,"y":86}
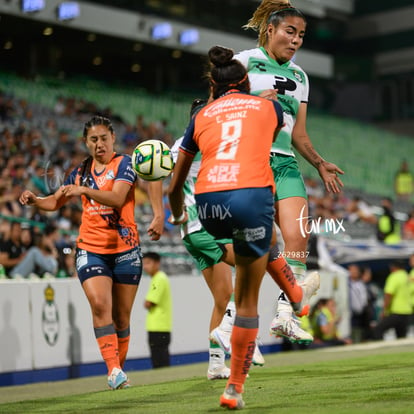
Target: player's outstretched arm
{"x":155,"y":195}
{"x":50,"y":203}
{"x":175,"y":190}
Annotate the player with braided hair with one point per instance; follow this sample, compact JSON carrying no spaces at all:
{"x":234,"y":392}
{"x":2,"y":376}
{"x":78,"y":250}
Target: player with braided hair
{"x":273,"y":74}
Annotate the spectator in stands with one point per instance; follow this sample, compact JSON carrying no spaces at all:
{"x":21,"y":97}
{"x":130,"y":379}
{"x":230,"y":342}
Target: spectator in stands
{"x":37,"y":180}
{"x":64,"y":218}
{"x":397,"y":302}
{"x":37,"y":215}
{"x":315,"y":193}
{"x":130,"y":137}
{"x":7,"y":107}
{"x":358,"y":301}
{"x":158,"y":302}
{"x":66,"y":259}
{"x":281,"y":29}
{"x":388,"y":228}
{"x":324,"y":321}
{"x":50,"y":132}
{"x":108,"y":257}
{"x":370,"y":319}
{"x":404,"y":182}
{"x":18,"y":175}
{"x":4,"y":230}
{"x":12,"y":207}
{"x":11,"y":249}
{"x":166,"y":136}
{"x":408,"y":227}
{"x":6,"y":196}
{"x":141,"y":128}
{"x":60,"y":106}
{"x":359,"y":210}
{"x":26,"y":237}
{"x":40,"y":259}
{"x":12,"y":179}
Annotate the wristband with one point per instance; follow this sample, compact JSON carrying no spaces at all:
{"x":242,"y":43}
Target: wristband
{"x":178,"y":219}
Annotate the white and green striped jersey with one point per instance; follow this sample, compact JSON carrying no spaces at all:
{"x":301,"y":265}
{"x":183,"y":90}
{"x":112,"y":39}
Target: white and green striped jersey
{"x":289,"y":79}
{"x":193,"y":224}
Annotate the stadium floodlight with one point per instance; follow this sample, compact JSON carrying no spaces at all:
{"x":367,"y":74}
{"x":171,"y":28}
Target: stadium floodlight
{"x":31,"y":6}
{"x":189,"y":37}
{"x":161,"y":31}
{"x":68,"y":10}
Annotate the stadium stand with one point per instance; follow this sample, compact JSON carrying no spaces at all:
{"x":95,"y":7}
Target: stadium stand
{"x":28,"y":112}
{"x":342,"y":140}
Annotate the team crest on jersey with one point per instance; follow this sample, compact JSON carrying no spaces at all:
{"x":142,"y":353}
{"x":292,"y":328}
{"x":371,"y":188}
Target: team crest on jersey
{"x":108,"y":176}
{"x":298,"y":76}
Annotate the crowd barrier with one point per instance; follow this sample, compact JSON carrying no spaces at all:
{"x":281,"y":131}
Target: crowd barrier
{"x":46,"y":327}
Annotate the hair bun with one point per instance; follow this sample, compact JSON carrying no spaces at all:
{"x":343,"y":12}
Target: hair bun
{"x":220,"y":55}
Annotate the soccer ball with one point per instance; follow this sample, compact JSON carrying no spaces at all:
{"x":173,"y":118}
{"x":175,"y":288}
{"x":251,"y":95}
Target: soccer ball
{"x":152,"y":160}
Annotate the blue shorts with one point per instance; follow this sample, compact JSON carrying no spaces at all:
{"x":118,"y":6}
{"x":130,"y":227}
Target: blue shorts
{"x":125,"y":267}
{"x":244,"y":215}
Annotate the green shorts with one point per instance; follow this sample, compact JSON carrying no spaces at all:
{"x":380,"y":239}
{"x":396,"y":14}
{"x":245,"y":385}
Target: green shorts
{"x":288,"y":179}
{"x":204,"y":248}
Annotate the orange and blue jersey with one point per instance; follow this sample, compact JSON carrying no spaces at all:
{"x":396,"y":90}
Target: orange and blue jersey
{"x":234,"y":134}
{"x":107,"y":229}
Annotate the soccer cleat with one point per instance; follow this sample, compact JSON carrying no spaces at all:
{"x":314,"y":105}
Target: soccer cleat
{"x":222,"y":339}
{"x":288,"y":327}
{"x":310,"y":286}
{"x":257,"y":356}
{"x":218,"y":372}
{"x":118,"y":379}
{"x":231,"y":398}
{"x":125,"y":385}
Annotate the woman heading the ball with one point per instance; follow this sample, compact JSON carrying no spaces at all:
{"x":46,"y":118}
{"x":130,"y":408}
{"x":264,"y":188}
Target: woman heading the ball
{"x":234,"y":200}
{"x":108,"y":255}
{"x":272,"y":73}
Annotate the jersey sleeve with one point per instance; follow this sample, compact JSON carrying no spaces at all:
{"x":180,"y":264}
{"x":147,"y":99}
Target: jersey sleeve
{"x":70,"y":179}
{"x":188,"y":144}
{"x":279,"y":112}
{"x":125,"y":171}
{"x":242,"y":57}
{"x":175,"y":148}
{"x":305,"y":97}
